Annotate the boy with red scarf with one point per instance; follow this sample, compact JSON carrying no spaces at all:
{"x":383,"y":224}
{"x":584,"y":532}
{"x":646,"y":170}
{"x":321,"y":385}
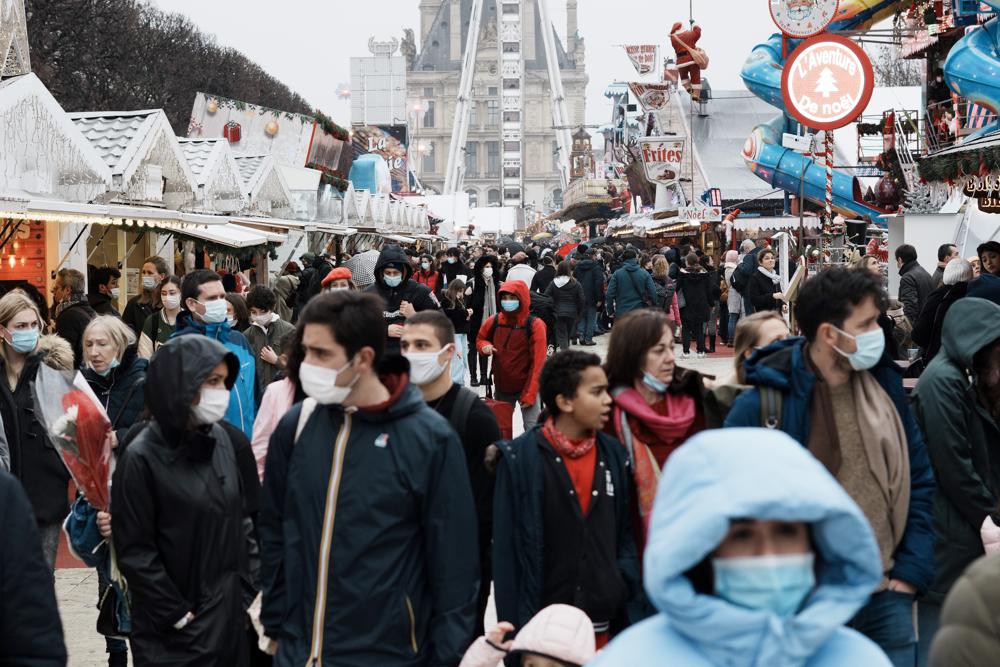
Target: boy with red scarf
{"x":562,"y":525}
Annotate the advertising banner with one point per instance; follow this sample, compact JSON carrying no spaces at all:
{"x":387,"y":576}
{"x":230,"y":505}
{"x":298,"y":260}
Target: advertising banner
{"x":662,"y":157}
{"x":643,"y":56}
{"x":652,"y":96}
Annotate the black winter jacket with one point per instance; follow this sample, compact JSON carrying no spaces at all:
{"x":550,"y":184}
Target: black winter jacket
{"x":761,"y":290}
{"x":178,"y":519}
{"x":927,"y":328}
{"x":418,"y":295}
{"x":697,"y":289}
{"x":543,"y":278}
{"x":31,"y":633}
{"x":103,"y":304}
{"x":121,"y":392}
{"x":70,"y":325}
{"x":590,"y":275}
{"x":33,"y":459}
{"x":518,"y":520}
{"x":915,"y":285}
{"x":568,"y":300}
{"x":135,"y":314}
{"x":396,"y":585}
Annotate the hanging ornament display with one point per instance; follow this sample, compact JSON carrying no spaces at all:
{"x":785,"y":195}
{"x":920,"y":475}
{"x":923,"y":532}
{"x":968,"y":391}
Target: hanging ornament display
{"x":271,"y":128}
{"x":887,"y":192}
{"x":212,"y":106}
{"x":233,"y":132}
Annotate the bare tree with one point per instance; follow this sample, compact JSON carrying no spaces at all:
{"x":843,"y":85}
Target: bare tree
{"x":126,"y":54}
{"x":891,"y":69}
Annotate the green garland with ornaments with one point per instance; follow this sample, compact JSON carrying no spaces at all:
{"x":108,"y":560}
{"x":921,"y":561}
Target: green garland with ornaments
{"x":327,"y":125}
{"x":333,"y":177}
{"x":955,"y":166}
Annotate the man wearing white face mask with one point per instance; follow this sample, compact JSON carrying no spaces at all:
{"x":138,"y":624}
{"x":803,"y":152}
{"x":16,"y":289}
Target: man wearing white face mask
{"x":838,"y":393}
{"x":368,"y":529}
{"x":265,"y":333}
{"x":178,"y":519}
{"x":428,"y":344}
{"x":204,"y":301}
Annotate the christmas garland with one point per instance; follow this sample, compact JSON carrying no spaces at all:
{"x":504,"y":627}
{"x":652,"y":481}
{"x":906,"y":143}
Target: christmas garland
{"x":327,"y":125}
{"x":954,"y":166}
{"x":333,"y":177}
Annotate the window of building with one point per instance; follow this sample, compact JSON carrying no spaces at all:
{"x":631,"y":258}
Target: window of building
{"x":429,"y":114}
{"x":512,"y":172}
{"x":511,"y":84}
{"x":472,"y":160}
{"x":473,"y":198}
{"x":511,"y":47}
{"x":493,"y":196}
{"x":557,"y":198}
{"x":492,"y":158}
{"x":492,"y":112}
{"x":428,"y":162}
{"x":512,"y":193}
{"x":473,"y":115}
{"x":512,"y":116}
{"x":511,"y":146}
{"x":492,"y":91}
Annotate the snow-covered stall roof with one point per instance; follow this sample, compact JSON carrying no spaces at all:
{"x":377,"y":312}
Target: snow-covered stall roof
{"x":147,"y":163}
{"x":263,"y":183}
{"x":220,"y":187}
{"x":41,"y":151}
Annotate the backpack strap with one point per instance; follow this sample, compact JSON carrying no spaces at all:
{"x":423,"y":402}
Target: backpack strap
{"x":305,"y":413}
{"x":770,"y":408}
{"x":128,"y":399}
{"x":461,"y":410}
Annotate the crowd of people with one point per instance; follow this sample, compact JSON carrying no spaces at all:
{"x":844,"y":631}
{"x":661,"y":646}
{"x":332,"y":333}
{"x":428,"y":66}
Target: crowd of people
{"x":308,"y":472}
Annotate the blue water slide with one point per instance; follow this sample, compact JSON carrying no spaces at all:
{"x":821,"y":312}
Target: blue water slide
{"x":972,"y":68}
{"x":782,"y":167}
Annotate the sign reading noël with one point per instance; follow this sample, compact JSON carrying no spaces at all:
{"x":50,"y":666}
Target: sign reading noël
{"x":827,"y":82}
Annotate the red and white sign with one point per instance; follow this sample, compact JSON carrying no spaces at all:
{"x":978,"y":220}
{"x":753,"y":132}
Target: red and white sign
{"x":827,"y":82}
{"x":643,"y":56}
{"x":662,"y":158}
{"x":803,"y":18}
{"x":700,"y":213}
{"x":652,"y":96}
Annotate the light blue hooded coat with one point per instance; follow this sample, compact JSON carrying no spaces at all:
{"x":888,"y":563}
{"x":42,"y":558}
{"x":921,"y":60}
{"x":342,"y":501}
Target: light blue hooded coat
{"x":723,"y":475}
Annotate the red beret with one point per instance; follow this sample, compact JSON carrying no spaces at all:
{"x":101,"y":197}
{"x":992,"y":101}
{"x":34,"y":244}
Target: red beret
{"x":339,"y":273}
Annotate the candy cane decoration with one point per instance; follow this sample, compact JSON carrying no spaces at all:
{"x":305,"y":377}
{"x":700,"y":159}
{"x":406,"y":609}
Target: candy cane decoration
{"x":828,"y":141}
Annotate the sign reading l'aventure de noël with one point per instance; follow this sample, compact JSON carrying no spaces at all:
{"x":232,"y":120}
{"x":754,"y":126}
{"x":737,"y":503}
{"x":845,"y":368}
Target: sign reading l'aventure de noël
{"x":827,"y":82}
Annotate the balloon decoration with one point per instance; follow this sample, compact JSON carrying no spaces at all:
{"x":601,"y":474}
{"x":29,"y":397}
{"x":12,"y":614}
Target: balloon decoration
{"x":271,"y":128}
{"x":213,"y":106}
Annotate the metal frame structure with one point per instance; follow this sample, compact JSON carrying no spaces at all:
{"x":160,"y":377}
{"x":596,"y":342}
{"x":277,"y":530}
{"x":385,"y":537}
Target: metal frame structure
{"x":510,"y":56}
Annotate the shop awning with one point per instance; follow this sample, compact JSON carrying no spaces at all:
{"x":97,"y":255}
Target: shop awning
{"x":102,"y":214}
{"x":399,"y":239}
{"x":230,"y":235}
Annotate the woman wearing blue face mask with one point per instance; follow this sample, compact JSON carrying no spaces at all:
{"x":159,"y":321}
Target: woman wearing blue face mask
{"x":116,"y":374}
{"x":658,"y":406}
{"x":756,"y":558}
{"x":31,"y":458}
{"x":141,"y":306}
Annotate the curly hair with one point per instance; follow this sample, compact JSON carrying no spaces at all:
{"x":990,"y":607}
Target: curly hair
{"x":561,"y":376}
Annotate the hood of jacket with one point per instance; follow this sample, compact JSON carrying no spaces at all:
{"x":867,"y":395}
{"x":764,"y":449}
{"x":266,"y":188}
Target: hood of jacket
{"x":630,"y":265}
{"x":559,"y":632}
{"x":960,"y":341}
{"x":55,"y":352}
{"x":671,"y":255}
{"x":714,"y":479}
{"x":986,"y":286}
{"x":520,"y":290}
{"x":392,"y":254}
{"x":587,"y":265}
{"x":183,"y":364}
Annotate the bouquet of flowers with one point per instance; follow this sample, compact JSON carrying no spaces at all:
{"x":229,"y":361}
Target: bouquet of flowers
{"x":79,"y":429}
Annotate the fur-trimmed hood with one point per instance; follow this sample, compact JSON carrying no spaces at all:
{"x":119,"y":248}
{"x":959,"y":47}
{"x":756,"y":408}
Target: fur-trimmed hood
{"x":55,"y":352}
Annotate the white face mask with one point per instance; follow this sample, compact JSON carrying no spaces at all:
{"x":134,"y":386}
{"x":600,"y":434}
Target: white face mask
{"x":115,"y":292}
{"x":320,"y":383}
{"x":425,"y":367}
{"x":261,"y":320}
{"x":215,"y":311}
{"x":487,"y":271}
{"x":212,"y":406}
{"x":148,"y":282}
{"x":172,"y":302}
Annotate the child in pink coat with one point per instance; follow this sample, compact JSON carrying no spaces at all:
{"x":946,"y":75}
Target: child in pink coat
{"x":557,"y":636}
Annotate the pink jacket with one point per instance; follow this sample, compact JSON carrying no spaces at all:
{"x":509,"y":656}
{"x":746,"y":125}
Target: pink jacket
{"x":278,"y":398}
{"x":559,"y":631}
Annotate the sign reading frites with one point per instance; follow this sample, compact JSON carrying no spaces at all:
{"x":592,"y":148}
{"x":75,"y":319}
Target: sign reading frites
{"x":827,"y":82}
{"x":700,"y":213}
{"x":652,"y":96}
{"x":662,"y":158}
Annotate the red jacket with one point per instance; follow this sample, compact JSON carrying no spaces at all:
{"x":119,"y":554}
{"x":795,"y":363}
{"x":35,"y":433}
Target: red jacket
{"x":517,"y":357}
{"x":689,"y":37}
{"x":432,"y":279}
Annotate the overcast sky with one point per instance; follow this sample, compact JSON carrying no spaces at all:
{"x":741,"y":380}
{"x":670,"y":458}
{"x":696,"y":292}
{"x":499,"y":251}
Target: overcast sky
{"x":307,"y":43}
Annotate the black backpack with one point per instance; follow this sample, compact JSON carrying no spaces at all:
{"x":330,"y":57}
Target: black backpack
{"x":665,"y":293}
{"x":739,"y":280}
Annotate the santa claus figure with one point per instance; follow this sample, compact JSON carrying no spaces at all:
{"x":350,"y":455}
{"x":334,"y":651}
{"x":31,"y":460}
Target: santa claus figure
{"x":685,"y":43}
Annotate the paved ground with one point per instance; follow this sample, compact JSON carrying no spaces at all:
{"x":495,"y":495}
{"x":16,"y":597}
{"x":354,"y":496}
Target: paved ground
{"x":76,"y":587}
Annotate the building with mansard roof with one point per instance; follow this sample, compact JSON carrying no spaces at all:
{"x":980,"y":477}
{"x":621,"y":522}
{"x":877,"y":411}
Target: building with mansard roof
{"x":433,"y":72}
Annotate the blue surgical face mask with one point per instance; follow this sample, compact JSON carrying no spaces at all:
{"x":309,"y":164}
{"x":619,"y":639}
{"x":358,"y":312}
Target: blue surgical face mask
{"x":451,"y":260}
{"x":871,"y":345}
{"x":654,"y":384}
{"x":24,"y":340}
{"x":392,"y":281}
{"x":107,"y":371}
{"x":770,"y":583}
{"x":510,"y":306}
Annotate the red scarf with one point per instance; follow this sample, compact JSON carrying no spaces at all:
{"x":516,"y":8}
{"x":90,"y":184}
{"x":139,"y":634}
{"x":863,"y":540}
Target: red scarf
{"x":569,"y":447}
{"x":663,"y":428}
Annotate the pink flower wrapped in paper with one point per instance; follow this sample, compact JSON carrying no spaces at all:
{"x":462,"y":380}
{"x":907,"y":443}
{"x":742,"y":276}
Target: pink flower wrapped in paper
{"x":80,"y":430}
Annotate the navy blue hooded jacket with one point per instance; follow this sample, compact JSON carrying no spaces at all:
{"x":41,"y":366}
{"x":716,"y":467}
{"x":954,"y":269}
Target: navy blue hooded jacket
{"x":631,"y":287}
{"x":783,"y":367}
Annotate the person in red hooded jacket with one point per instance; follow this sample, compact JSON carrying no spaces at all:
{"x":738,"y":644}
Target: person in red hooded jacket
{"x":517,"y":341}
{"x":683,"y":42}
